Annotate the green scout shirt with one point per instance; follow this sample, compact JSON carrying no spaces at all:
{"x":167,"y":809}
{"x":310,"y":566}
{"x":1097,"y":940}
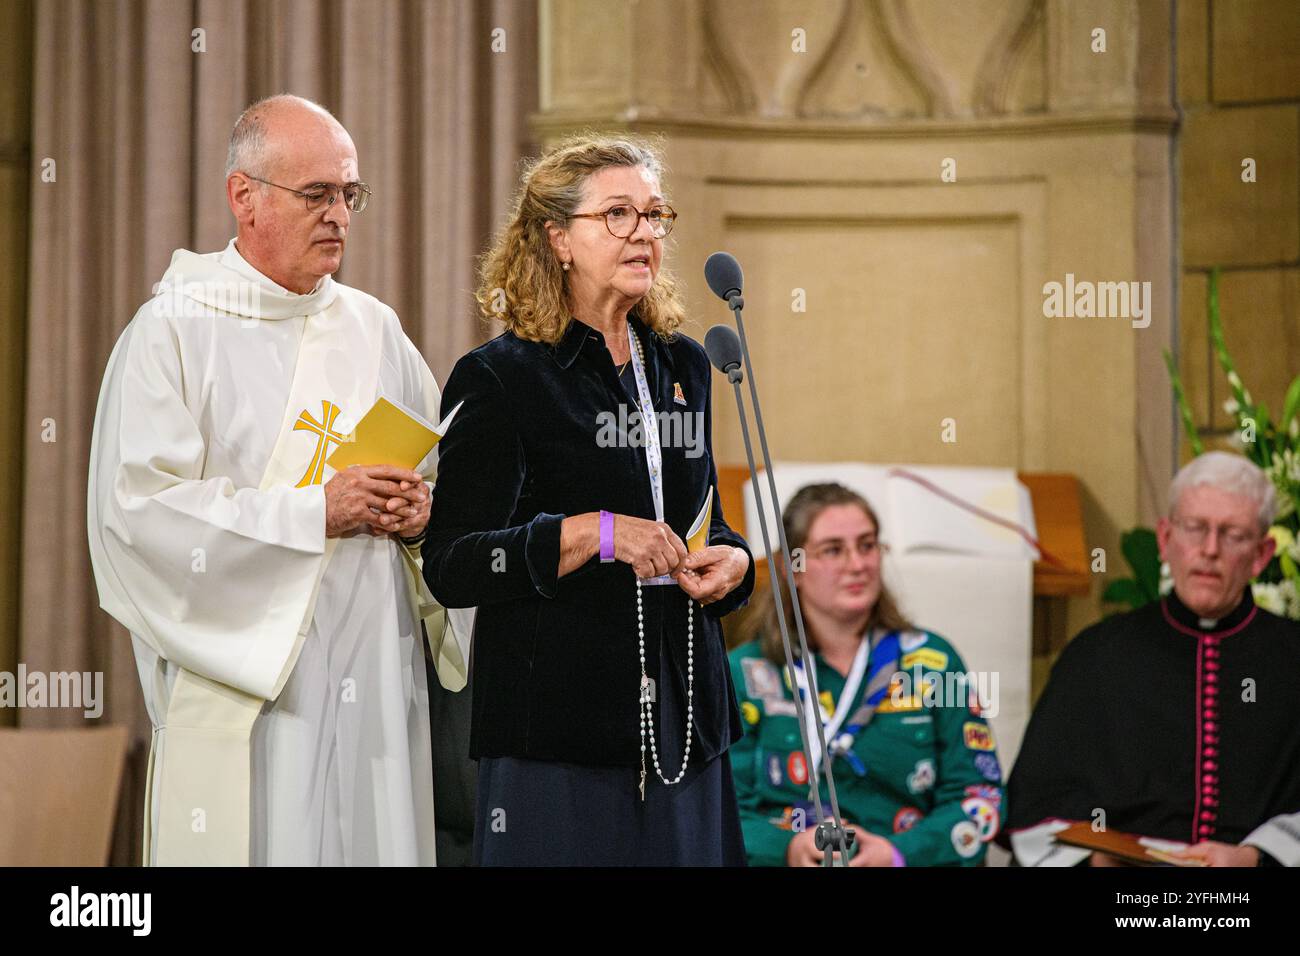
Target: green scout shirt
{"x":932,"y":784}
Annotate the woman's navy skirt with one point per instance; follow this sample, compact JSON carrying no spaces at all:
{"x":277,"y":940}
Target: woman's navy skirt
{"x":544,"y":813}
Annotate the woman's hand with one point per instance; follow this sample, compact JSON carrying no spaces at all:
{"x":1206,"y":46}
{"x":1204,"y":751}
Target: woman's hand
{"x":713,"y":573}
{"x":871,"y":850}
{"x":651,"y":547}
{"x":868,"y":849}
{"x":802,"y":849}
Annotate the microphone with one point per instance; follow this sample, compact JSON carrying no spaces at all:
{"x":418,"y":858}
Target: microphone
{"x":723,"y":346}
{"x":729,"y":353}
{"x":722,"y":273}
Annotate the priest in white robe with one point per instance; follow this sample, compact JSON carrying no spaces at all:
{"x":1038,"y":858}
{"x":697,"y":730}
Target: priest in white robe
{"x":275,"y":607}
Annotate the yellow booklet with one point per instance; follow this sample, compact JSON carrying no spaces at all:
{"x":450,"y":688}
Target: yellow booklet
{"x":697,"y":539}
{"x":390,"y":434}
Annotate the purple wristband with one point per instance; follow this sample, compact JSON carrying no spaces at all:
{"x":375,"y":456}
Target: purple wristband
{"x":898,"y":857}
{"x":606,"y":537}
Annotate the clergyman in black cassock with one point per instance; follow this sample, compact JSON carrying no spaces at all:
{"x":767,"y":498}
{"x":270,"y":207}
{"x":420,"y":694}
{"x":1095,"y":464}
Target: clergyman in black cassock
{"x":1179,"y":720}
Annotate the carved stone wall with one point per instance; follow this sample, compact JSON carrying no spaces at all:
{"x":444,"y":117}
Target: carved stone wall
{"x":1239,"y":202}
{"x":900,"y":179}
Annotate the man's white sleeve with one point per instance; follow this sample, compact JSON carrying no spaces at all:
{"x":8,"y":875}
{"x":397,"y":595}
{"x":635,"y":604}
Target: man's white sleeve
{"x":215,"y":578}
{"x":1279,"y":838}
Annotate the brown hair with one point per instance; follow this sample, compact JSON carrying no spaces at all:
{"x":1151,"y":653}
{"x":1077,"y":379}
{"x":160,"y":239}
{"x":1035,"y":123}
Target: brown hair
{"x":520,"y":279}
{"x":798,"y":517}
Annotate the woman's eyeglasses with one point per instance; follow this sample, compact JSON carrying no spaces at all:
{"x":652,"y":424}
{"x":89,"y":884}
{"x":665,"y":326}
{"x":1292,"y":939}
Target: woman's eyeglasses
{"x":622,"y":220}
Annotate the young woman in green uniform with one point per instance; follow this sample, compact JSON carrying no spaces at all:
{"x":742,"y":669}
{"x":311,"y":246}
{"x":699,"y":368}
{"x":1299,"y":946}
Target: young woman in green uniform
{"x":916,"y":767}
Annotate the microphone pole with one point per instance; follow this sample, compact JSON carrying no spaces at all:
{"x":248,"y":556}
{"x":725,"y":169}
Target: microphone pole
{"x":723,"y":349}
{"x":723,"y":274}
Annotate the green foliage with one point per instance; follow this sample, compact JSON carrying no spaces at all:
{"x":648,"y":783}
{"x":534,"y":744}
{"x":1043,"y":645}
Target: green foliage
{"x":1272,"y":445}
{"x":1143,"y":557}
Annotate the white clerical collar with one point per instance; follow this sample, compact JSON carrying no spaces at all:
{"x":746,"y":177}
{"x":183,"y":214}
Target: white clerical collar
{"x":234,"y":259}
{"x":226,"y":282}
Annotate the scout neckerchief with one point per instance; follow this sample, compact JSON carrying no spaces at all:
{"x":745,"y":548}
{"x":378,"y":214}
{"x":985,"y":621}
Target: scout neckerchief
{"x":654,"y":467}
{"x":876,"y":660}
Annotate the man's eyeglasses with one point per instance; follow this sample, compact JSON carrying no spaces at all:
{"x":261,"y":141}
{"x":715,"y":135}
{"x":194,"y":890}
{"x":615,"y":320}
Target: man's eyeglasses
{"x":1195,"y":531}
{"x":623,"y":220}
{"x":323,"y":195}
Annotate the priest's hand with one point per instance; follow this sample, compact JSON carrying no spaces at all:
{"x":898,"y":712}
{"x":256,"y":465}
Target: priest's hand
{"x":412,"y":509}
{"x":359,"y":495}
{"x":711,"y":574}
{"x":1105,"y":859}
{"x":1221,"y":854}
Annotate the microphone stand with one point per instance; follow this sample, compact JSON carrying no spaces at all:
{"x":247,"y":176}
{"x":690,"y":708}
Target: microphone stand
{"x":831,"y":834}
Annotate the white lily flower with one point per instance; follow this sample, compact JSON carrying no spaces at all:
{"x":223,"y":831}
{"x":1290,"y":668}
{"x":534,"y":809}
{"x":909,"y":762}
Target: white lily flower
{"x":1270,"y":598}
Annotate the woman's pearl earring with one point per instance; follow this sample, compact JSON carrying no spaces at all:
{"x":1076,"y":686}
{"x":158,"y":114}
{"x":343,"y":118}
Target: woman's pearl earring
{"x":564,"y":266}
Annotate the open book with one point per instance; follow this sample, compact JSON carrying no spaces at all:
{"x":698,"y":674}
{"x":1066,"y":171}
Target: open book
{"x":390,"y":434}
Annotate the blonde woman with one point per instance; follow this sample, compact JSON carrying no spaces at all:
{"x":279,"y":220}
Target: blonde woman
{"x":603,"y":707}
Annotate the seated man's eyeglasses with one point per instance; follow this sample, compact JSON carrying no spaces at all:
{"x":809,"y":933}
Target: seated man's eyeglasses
{"x":321,"y":195}
{"x":1196,"y":531}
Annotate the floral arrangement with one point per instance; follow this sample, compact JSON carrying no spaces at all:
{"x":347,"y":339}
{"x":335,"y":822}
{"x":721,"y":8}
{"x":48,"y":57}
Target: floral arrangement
{"x":1273,"y":445}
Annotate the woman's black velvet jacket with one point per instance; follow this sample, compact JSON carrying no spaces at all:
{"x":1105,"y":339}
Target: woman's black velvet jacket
{"x":555,"y":673}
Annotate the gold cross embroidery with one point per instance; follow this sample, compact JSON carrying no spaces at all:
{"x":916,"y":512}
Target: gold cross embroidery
{"x":324,"y":430}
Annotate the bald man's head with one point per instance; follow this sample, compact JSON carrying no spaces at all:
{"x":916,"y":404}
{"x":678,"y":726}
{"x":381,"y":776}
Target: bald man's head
{"x":281,"y":146}
{"x":259,"y":132}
